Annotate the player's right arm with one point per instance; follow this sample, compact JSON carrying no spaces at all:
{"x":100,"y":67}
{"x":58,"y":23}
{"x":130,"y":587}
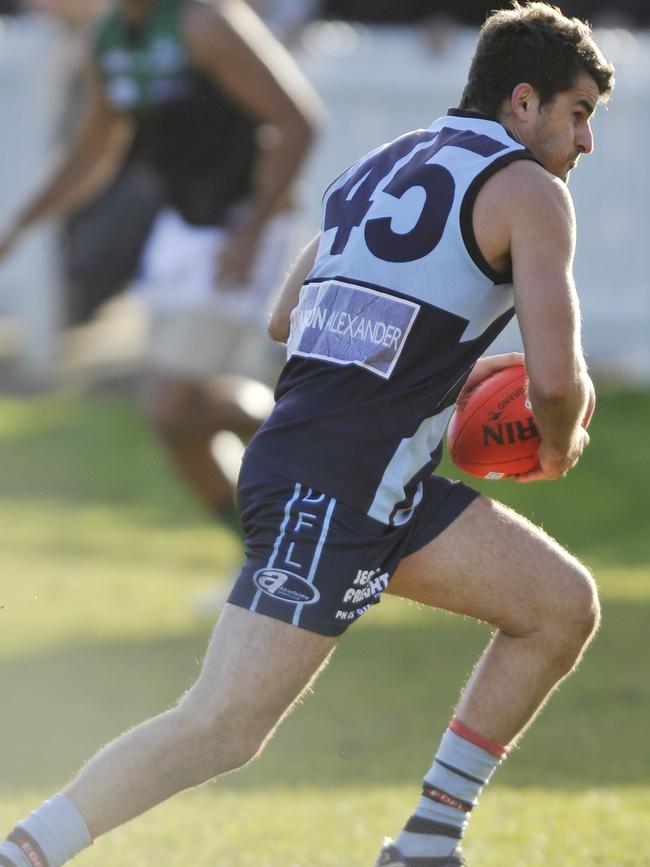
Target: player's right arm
{"x":287,"y":299}
{"x":542,"y":244}
{"x":86,"y":166}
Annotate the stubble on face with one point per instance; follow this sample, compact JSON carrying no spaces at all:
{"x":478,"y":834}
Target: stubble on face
{"x":549,"y":148}
{"x":562,"y":133}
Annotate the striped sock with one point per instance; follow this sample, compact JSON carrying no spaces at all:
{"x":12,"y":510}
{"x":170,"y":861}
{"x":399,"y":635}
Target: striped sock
{"x":463,"y":764}
{"x":48,"y":837}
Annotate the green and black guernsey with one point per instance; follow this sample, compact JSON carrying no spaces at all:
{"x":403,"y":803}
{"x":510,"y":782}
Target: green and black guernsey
{"x":190,"y":132}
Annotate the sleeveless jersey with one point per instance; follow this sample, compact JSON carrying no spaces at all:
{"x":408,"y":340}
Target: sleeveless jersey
{"x":398,"y":307}
{"x":200,"y":144}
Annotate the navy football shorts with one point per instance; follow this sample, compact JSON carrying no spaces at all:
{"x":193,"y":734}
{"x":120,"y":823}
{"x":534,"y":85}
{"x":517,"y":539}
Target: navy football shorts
{"x":316,"y":562}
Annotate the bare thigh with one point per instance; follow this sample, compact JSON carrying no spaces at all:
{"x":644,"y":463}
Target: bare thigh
{"x":494,"y":565}
{"x":254,"y":669}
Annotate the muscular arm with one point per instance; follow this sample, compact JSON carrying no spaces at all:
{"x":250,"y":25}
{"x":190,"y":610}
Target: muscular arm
{"x":542,"y":242}
{"x":233,"y":47}
{"x":85,"y":167}
{"x":288,"y":296}
{"x":523,"y":216}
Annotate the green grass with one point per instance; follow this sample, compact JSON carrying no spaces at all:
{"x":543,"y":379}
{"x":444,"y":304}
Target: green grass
{"x":103,"y":554}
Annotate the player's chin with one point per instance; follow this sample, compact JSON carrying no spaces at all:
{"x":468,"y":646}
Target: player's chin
{"x":568,"y":171}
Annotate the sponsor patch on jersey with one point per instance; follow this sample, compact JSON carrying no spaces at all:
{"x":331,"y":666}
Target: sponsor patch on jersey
{"x":349,"y":324}
{"x":285,"y":586}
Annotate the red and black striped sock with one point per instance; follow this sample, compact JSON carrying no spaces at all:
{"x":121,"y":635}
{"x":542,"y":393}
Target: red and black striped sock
{"x":463,"y":764}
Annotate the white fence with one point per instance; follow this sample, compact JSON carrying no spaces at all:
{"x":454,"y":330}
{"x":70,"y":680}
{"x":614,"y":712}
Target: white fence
{"x":33,"y":66}
{"x":376,"y":83}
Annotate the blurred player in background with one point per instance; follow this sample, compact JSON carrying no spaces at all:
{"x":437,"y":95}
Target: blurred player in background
{"x":427,"y":245}
{"x":287,"y":18}
{"x":204,"y":97}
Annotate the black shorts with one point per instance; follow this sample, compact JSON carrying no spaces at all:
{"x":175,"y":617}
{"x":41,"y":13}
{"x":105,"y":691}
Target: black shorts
{"x":316,"y":562}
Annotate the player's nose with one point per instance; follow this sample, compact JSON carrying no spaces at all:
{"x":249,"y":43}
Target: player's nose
{"x":585,"y":138}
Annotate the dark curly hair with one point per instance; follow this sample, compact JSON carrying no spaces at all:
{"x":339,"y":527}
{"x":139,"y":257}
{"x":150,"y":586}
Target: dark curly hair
{"x":532,"y":42}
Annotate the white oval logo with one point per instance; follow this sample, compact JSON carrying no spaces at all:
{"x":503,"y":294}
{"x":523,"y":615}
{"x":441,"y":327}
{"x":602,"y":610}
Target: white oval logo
{"x":286,"y":586}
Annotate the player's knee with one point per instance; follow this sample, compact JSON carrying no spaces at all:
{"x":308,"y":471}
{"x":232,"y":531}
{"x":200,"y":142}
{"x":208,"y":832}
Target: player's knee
{"x":226,"y":748}
{"x":576,"y":614}
{"x":588,"y":606}
{"x":582,"y":604}
{"x":222,"y":739}
{"x":230,"y":747}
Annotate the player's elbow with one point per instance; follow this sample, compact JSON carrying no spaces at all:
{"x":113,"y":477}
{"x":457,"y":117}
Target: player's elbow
{"x":303,"y":131}
{"x":550,"y":393}
{"x":278,"y":327}
{"x":301,"y":125}
{"x":558,"y":382}
{"x":559,"y":390}
{"x":313,"y":114}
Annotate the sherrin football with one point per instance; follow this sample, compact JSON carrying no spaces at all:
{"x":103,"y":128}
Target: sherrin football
{"x":492,"y":433}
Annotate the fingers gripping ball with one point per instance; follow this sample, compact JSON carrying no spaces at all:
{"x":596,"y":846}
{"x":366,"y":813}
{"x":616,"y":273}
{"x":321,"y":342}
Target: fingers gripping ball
{"x":493,"y":433}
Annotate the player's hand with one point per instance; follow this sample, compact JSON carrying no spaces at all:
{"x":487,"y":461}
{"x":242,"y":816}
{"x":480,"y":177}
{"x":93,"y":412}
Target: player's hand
{"x":488,"y":365}
{"x":236,"y":258}
{"x":553,"y":464}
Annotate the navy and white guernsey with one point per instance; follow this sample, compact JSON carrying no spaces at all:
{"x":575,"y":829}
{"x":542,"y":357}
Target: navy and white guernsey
{"x":397,"y":308}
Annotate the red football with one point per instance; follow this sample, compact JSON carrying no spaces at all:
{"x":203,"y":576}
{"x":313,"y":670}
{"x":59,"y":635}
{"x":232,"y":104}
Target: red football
{"x":492,"y":433}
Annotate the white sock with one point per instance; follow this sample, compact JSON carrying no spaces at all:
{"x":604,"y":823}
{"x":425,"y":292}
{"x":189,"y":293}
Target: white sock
{"x":51,"y":835}
{"x":12,"y":855}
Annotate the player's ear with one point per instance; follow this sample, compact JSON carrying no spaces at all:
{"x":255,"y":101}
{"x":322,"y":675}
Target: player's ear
{"x":523,"y":100}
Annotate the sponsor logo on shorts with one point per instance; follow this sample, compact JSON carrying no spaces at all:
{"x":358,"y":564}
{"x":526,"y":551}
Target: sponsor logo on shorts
{"x":366,"y":589}
{"x":286,"y":586}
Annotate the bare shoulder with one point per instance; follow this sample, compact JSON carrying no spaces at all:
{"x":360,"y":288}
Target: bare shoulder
{"x":530,"y":191}
{"x":203,"y":23}
{"x":520,"y":201}
{"x":231,"y":44}
{"x":219,"y":26}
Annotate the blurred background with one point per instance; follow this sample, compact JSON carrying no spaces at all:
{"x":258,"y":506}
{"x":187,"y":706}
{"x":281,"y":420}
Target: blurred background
{"x":104,"y":553}
{"x":381,"y":67}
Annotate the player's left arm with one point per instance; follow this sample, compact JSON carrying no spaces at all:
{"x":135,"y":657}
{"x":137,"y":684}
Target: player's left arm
{"x":230,"y":44}
{"x":287,"y":298}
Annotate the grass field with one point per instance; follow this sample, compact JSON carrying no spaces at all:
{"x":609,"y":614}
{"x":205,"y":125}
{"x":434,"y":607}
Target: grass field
{"x":102,"y":557}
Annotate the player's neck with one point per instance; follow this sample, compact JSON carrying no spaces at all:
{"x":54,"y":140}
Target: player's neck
{"x":506,"y":123}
